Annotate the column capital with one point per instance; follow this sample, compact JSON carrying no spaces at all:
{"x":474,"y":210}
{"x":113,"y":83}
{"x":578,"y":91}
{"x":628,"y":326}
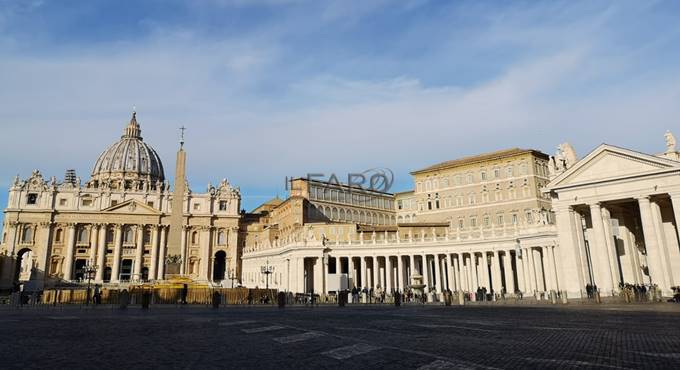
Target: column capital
{"x":596,"y":205}
{"x":643,"y":198}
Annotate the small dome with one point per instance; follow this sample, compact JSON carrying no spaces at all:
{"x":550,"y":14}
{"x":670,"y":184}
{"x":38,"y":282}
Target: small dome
{"x":129,"y":159}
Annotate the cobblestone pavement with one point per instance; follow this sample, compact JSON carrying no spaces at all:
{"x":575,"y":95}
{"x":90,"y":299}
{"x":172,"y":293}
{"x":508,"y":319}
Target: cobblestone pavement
{"x":417,"y":337}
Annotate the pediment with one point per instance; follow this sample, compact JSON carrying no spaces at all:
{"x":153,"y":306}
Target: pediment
{"x":131,"y":207}
{"x":608,"y":163}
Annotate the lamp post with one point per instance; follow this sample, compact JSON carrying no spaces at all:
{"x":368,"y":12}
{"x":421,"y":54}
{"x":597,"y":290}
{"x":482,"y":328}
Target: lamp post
{"x":267,"y":270}
{"x":89,"y":270}
{"x":232,"y":277}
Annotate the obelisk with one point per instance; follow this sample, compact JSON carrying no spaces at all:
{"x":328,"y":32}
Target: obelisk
{"x":175,"y":256}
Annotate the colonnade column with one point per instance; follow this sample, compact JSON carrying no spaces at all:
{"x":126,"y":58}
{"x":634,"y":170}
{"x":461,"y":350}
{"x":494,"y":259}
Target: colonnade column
{"x":411,"y":269}
{"x":364,"y":272}
{"x":571,"y":252}
{"x":519,"y":271}
{"x":436,"y":276}
{"x":459,"y":281}
{"x":139,"y":253}
{"x":154,"y":252}
{"x":101,"y":254}
{"x":651,"y":243}
{"x":539,"y":270}
{"x":663,"y":245}
{"x":117,"y":249}
{"x":496,"y":272}
{"x":389,"y":274}
{"x":374,"y":272}
{"x":70,"y":250}
{"x":424,"y":272}
{"x":602,"y":268}
{"x":399,"y":284}
{"x":450,"y":271}
{"x":529,"y":270}
{"x":160,"y":273}
{"x":351,"y":275}
{"x":509,"y":276}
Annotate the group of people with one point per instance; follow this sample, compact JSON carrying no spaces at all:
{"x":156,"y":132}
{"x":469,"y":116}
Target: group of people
{"x":376,"y":295}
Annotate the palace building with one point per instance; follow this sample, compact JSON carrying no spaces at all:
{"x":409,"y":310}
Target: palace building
{"x":117,"y":222}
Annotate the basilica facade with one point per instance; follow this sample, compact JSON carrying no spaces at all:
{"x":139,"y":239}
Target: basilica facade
{"x":116,"y":224}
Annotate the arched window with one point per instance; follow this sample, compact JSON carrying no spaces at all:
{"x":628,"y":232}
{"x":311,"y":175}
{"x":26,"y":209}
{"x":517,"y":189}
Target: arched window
{"x":194,"y":238}
{"x":221,"y":238}
{"x":27,"y":234}
{"x":58,"y":236}
{"x":109,"y":235}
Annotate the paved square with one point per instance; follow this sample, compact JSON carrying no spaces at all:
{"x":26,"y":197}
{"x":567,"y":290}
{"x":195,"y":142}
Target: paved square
{"x":430,"y":337}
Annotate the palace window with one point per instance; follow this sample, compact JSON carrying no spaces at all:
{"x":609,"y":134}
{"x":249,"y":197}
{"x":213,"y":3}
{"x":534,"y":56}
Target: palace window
{"x":473,"y":222}
{"x":470,"y":179}
{"x":483,"y":176}
{"x":499,"y":219}
{"x":223,"y":205}
{"x":514,"y":219}
{"x":400,"y":204}
{"x":497,"y":173}
{"x":114,"y":202}
{"x":487,"y":221}
{"x":86,"y":202}
{"x":32,"y":198}
{"x":62,"y":202}
{"x":511,"y":172}
{"x":530,"y":217}
{"x":461,"y":223}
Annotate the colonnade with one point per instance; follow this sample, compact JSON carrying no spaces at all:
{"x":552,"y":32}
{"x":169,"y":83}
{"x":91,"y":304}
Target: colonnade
{"x":527,"y":270}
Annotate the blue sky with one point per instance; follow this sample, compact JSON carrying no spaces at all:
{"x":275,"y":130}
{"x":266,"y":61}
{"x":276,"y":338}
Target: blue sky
{"x":274,"y":88}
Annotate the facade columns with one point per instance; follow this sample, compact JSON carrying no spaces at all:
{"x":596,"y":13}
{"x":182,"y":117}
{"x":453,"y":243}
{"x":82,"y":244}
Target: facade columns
{"x":101,"y":254}
{"x":139,"y":253}
{"x":117,"y":250}
{"x":162,"y":248}
{"x":70,"y":250}
{"x":204,"y":241}
{"x":94,"y":242}
{"x":459,"y":281}
{"x":602,"y":268}
{"x":154,"y":253}
{"x":411,"y":269}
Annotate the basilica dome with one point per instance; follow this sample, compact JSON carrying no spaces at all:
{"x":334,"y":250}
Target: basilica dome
{"x":129,"y":163}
